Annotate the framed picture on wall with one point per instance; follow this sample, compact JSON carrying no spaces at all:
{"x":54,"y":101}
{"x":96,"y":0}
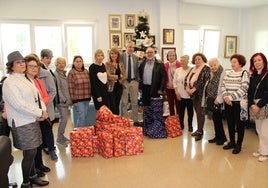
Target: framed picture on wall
{"x":130,"y":21}
{"x":168,"y":36}
{"x":115,"y":39}
{"x":114,"y":21}
{"x":128,"y":37}
{"x":165,"y":52}
{"x":230,"y":46}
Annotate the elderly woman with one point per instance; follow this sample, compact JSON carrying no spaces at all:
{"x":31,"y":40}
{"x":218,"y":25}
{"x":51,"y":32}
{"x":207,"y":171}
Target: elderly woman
{"x":195,"y":83}
{"x":64,"y":99}
{"x":213,"y":99}
{"x":234,"y":87}
{"x":24,"y":109}
{"x":258,"y":98}
{"x":184,"y":100}
{"x":170,"y":66}
{"x":116,"y":74}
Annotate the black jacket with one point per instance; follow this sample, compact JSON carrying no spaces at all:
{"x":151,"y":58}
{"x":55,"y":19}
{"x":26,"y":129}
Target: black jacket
{"x":158,"y":77}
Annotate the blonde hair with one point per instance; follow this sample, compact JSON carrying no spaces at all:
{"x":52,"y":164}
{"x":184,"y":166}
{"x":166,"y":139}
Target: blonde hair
{"x":98,"y":51}
{"x":60,"y":59}
{"x":185,"y":57}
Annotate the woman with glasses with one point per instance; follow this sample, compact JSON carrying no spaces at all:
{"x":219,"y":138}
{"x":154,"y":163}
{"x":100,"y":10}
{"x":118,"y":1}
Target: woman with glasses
{"x":23,"y":113}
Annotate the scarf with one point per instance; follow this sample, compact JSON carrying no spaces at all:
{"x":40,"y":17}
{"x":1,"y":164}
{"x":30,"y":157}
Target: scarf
{"x":213,"y":84}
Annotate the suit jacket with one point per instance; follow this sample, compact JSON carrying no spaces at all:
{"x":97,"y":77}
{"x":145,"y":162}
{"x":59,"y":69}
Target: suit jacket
{"x":158,"y":77}
{"x":124,"y":59}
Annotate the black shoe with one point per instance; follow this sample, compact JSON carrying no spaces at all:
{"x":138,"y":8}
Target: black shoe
{"x":43,"y":168}
{"x":194,"y":133}
{"x":190,"y":129}
{"x":45,"y":150}
{"x":221,"y":142}
{"x":213,"y":140}
{"x":26,"y":185}
{"x":236,"y":150}
{"x":37,"y":181}
{"x":229,"y":146}
{"x":39,"y":173}
{"x":199,"y":136}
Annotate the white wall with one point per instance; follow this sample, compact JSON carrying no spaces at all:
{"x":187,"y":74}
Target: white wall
{"x":245,"y":23}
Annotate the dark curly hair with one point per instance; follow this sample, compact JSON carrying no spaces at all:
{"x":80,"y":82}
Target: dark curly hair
{"x":240,"y":58}
{"x":201,"y":55}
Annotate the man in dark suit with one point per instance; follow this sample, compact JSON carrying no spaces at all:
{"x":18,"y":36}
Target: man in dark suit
{"x":131,"y":63}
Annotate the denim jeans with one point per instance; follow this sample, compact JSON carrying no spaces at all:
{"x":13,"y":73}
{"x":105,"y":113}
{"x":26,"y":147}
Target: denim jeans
{"x":81,"y":111}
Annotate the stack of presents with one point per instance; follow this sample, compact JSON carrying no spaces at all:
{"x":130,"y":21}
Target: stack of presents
{"x":114,"y":136}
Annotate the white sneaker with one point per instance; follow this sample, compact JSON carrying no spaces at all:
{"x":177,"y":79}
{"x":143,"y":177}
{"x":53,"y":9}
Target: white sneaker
{"x":256,"y":154}
{"x":263,"y":158}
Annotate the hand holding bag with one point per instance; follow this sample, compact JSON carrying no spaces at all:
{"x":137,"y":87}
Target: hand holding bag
{"x":263,"y":112}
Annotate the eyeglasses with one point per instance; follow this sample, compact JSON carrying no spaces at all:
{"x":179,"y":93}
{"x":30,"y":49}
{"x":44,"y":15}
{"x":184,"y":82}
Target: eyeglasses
{"x":149,"y":52}
{"x":33,"y":66}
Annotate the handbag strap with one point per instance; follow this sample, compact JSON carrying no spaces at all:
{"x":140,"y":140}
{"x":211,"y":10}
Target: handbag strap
{"x":258,"y":85}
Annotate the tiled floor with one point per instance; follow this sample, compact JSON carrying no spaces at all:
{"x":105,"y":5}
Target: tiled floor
{"x":165,"y":163}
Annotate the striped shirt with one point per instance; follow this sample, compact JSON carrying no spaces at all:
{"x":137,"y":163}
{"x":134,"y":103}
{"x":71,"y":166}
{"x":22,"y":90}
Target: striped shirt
{"x":235,"y":85}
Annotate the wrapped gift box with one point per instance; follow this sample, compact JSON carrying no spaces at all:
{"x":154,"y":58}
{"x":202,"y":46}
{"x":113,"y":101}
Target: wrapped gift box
{"x":173,"y":127}
{"x":81,"y":142}
{"x":105,"y":144}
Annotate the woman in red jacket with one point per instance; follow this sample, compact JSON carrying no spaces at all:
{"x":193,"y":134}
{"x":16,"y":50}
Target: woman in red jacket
{"x":170,"y":66}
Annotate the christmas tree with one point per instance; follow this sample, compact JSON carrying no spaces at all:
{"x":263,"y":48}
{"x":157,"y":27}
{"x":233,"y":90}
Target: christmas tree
{"x":142,"y":37}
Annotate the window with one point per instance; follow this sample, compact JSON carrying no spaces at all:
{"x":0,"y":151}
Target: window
{"x":48,"y":37}
{"x":191,"y":42}
{"x":80,"y":41}
{"x":211,"y":43}
{"x":14,"y":37}
{"x":201,"y":40}
{"x":65,"y":40}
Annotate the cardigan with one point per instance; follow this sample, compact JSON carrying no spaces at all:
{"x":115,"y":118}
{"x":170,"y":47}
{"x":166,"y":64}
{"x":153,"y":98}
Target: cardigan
{"x":21,"y":100}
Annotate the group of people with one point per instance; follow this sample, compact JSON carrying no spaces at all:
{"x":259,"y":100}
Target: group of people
{"x":32,"y":91}
{"x":212,"y":91}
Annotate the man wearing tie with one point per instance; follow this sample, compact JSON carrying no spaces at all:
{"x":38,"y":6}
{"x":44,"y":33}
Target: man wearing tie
{"x":131,"y":63}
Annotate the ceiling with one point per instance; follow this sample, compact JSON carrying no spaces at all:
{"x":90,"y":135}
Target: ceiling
{"x":230,"y":3}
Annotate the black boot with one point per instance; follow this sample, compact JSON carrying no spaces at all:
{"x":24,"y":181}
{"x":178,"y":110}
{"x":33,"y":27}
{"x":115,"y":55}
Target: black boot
{"x":26,"y":185}
{"x":37,"y":181}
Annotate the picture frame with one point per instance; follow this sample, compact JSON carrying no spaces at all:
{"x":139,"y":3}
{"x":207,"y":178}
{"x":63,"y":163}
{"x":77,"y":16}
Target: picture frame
{"x":230,"y":47}
{"x":165,"y":52}
{"x":168,"y":36}
{"x":130,"y":21}
{"x":152,"y":37}
{"x":128,"y":37}
{"x":115,"y":39}
{"x":114,"y":21}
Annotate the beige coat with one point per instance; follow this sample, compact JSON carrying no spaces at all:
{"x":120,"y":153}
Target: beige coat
{"x":112,"y":77}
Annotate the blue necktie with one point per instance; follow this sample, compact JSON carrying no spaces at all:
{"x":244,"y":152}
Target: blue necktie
{"x":129,"y":69}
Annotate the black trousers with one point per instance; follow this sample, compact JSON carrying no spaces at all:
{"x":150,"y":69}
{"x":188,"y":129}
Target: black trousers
{"x":186,"y":104}
{"x":234,"y":123}
{"x":114,"y":98}
{"x":218,"y":126}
